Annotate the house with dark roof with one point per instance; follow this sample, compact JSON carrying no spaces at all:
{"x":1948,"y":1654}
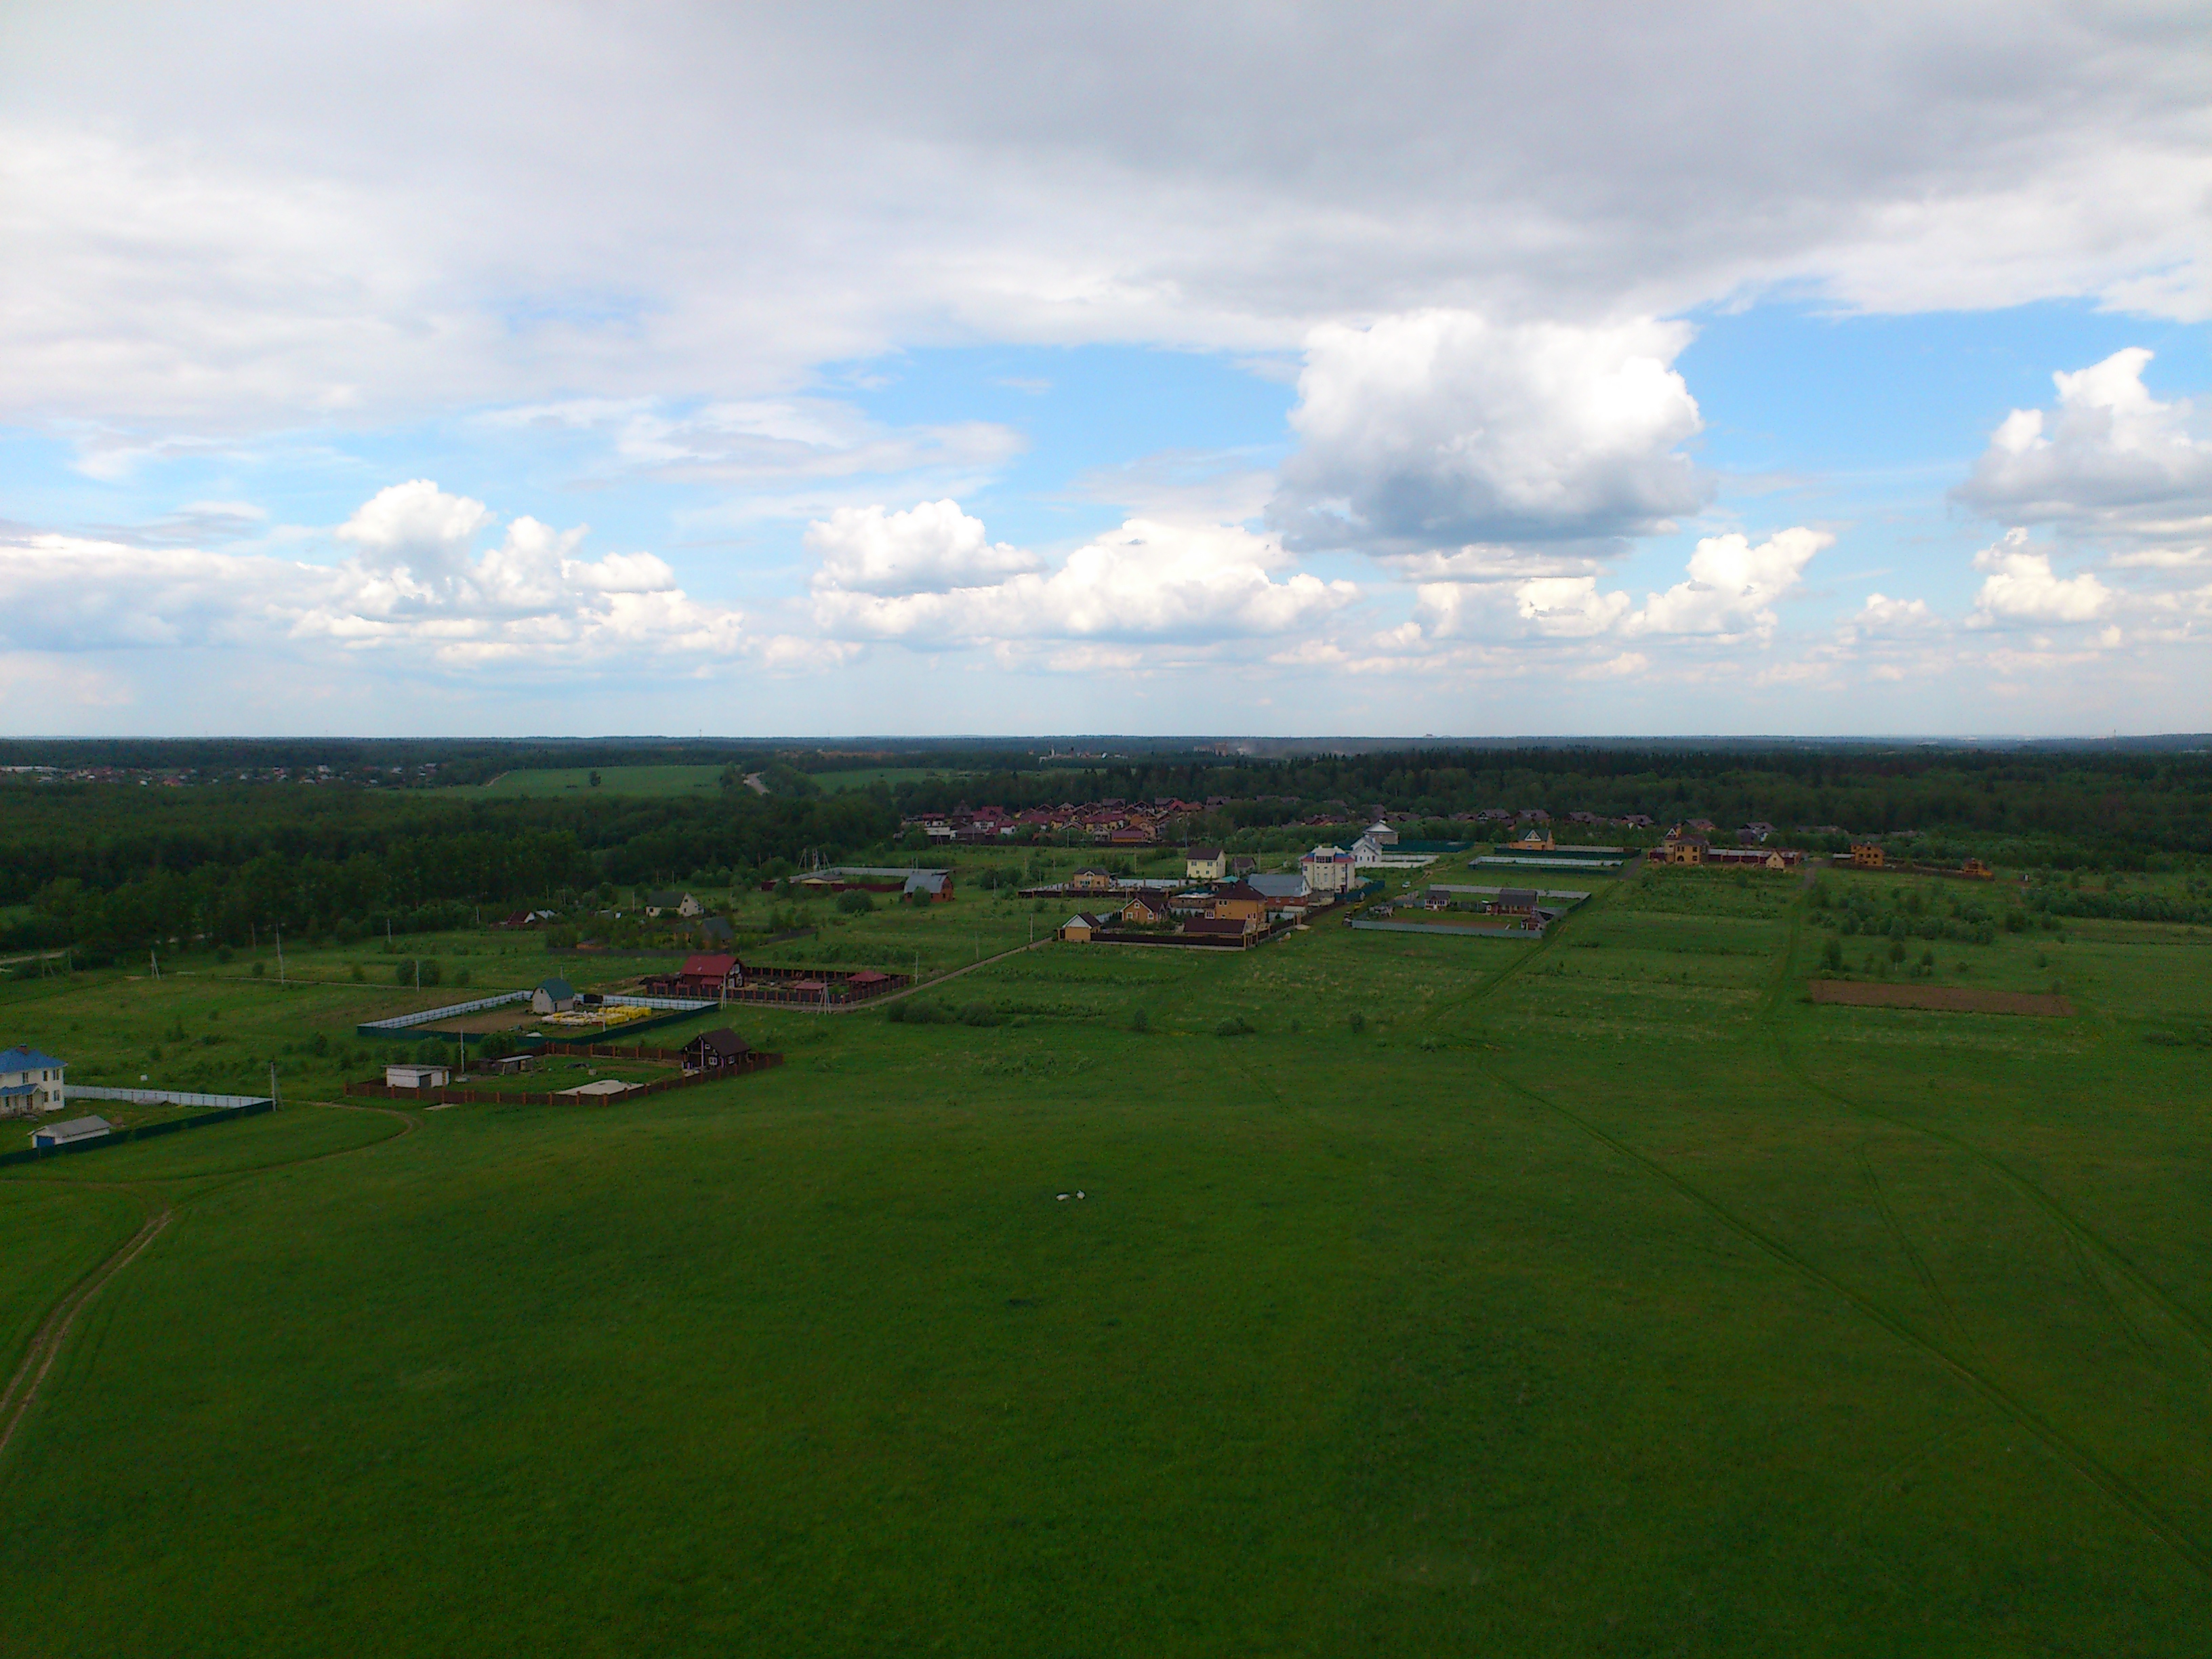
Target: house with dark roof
{"x":30,"y":1081}
{"x":671,"y":901}
{"x":929,"y":887}
{"x":1204,"y":864}
{"x":553,"y":996}
{"x":712,"y":1050}
{"x":1081,"y":928}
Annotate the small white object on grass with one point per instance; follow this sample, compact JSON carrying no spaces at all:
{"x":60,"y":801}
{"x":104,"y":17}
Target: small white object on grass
{"x":1063,"y":1198}
{"x":1079,"y":1194}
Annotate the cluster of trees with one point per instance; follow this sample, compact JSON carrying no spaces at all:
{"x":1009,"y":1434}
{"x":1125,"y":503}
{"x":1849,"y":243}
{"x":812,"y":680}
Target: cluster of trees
{"x":113,"y":868}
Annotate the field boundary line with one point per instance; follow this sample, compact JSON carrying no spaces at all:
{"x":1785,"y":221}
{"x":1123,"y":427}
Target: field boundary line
{"x":1920,"y":1268}
{"x":2083,"y":1461}
{"x":46,"y":1342}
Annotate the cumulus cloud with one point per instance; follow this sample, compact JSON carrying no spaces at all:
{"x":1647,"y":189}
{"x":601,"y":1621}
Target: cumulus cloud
{"x":1731,"y":593}
{"x":1145,"y":582}
{"x":2020,"y":587}
{"x":1440,"y":429}
{"x":1163,"y":174}
{"x":2109,"y":460}
{"x":1734,"y":586}
{"x":409,"y":582}
{"x":930,"y":548}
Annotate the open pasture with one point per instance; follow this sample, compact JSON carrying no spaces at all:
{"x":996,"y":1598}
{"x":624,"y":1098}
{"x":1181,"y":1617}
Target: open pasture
{"x":1604,"y":1296}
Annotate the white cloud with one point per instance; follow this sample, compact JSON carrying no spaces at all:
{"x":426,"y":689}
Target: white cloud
{"x":1733,"y":586}
{"x":2020,"y":587}
{"x":929,"y":547}
{"x":1437,"y":429}
{"x":268,"y":234}
{"x":1146,"y":582}
{"x":1882,"y":615}
{"x":2110,"y":461}
{"x":410,"y":583}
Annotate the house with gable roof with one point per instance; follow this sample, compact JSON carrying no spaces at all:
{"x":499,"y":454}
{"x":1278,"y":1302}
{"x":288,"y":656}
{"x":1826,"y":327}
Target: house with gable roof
{"x":30,"y":1081}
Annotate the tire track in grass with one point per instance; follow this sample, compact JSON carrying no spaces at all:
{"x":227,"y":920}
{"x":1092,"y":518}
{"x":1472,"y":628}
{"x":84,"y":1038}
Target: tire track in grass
{"x":2080,"y":1236}
{"x":47,"y":1341}
{"x":2061,"y":1445}
{"x":2083,"y":1244}
{"x":1920,"y":1268}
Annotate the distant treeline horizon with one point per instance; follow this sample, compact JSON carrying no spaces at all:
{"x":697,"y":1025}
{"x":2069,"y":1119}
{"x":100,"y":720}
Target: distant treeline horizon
{"x":112,"y":866}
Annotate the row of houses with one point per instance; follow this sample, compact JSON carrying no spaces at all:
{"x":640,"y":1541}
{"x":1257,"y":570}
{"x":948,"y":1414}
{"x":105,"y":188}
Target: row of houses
{"x":1243,"y":910}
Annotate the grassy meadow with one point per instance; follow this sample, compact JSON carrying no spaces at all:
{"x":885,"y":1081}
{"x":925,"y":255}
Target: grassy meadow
{"x":1602,"y":1296}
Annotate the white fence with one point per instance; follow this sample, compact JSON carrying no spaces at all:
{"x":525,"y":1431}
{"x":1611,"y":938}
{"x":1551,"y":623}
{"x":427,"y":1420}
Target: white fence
{"x":685,"y":1005}
{"x":404,"y":1022}
{"x":158,"y":1097}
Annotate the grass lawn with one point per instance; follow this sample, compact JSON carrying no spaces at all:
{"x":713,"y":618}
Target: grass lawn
{"x":1603,"y":1296}
{"x":831,"y":783}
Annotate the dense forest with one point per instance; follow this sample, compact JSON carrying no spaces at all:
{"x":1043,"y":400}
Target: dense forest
{"x":107,"y":863}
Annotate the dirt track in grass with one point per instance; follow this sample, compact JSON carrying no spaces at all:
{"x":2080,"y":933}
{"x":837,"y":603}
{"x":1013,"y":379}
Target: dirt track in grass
{"x":1946,"y":999}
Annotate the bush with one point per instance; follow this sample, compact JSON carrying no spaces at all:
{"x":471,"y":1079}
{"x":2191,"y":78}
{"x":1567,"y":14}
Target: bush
{"x":1140,"y":1021}
{"x":1833,"y":957}
{"x":979,"y":1013}
{"x":359,"y":974}
{"x":1358,"y":1022}
{"x":895,"y":1013}
{"x":855,"y":903}
{"x":260,"y":969}
{"x":1235,"y":1025}
{"x":461,"y":977}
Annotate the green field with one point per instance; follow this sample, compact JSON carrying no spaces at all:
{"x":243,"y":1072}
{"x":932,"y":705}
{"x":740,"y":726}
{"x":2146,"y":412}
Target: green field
{"x":860,"y":778}
{"x":1599,"y":1296}
{"x":552,"y":781}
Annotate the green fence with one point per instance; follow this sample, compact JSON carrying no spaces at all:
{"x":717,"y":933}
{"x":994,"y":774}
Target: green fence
{"x":143,"y":1132}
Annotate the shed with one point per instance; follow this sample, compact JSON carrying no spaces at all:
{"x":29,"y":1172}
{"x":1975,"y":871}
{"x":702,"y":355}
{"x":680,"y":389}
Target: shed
{"x":553,"y":996}
{"x":928,"y":886}
{"x":415,"y":1077}
{"x":73,"y":1133}
{"x":1079,"y":928}
{"x":711,"y":1050}
{"x":716,"y":930}
{"x":509,"y":1064}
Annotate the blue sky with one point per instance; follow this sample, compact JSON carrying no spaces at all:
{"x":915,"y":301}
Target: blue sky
{"x":873,"y":405}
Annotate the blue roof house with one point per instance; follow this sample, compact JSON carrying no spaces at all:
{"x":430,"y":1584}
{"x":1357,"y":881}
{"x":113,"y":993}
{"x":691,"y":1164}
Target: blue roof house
{"x":30,"y":1083}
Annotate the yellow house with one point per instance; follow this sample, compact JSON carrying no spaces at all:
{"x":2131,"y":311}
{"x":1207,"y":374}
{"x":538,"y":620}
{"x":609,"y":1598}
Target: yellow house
{"x":1681,"y":849}
{"x":1866,"y":855}
{"x":1204,"y":862}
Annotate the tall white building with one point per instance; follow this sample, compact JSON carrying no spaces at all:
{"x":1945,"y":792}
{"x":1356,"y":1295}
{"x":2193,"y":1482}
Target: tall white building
{"x":29,"y":1082}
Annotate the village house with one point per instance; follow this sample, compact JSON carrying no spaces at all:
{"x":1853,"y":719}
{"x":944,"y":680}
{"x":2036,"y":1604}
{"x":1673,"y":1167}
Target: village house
{"x":708,"y":974}
{"x":1204,"y":864}
{"x":1145,"y":909}
{"x":1080,"y":928}
{"x":671,"y":902}
{"x":1513,"y":902}
{"x":929,"y":887}
{"x":1868,"y":855}
{"x":1287,"y":894}
{"x":1329,"y":869}
{"x":1680,"y":848}
{"x":553,"y":996}
{"x":1091,"y":881}
{"x":30,"y":1081}
{"x":710,"y":1051}
{"x":1237,"y":901}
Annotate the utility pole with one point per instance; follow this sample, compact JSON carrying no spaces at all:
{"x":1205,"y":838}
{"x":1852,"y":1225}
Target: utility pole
{"x":418,"y":973}
{"x":280,"y":953}
{"x":276,"y":1099}
{"x":154,"y":962}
